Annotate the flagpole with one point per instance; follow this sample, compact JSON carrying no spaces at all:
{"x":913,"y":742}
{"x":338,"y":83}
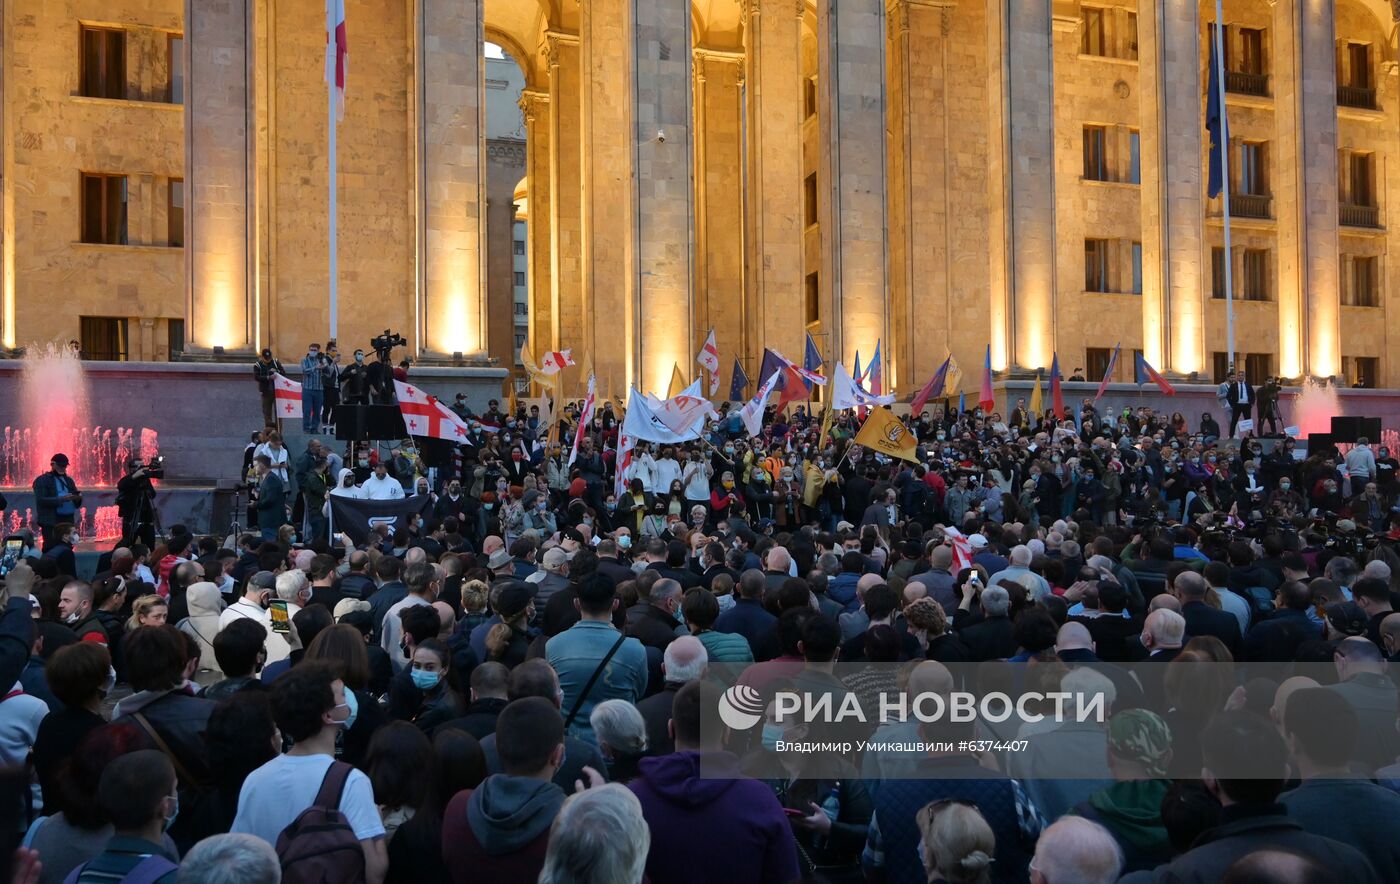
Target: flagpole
{"x":331,"y":102}
{"x":1225,"y":180}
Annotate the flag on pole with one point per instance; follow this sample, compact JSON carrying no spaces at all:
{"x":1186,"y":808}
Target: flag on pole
{"x":708,"y":359}
{"x":752,"y":412}
{"x":775,"y":361}
{"x":738,"y":383}
{"x":876,"y":373}
{"x":827,"y":414}
{"x":1037,"y":400}
{"x":932,"y":390}
{"x":987,"y":399}
{"x":585,"y":417}
{"x":287,"y":393}
{"x":846,"y":394}
{"x":887,"y":434}
{"x":1108,"y":374}
{"x":962,"y":549}
{"x":679,"y":412}
{"x":678,"y":382}
{"x":962,"y":403}
{"x":811,"y":357}
{"x":1143,"y":372}
{"x":527,"y":359}
{"x":337,"y":53}
{"x":857,"y":374}
{"x":424,"y":415}
{"x":555,"y":361}
{"x":1215,"y":125}
{"x":793,"y":385}
{"x":1057,"y":394}
{"x":955,"y":376}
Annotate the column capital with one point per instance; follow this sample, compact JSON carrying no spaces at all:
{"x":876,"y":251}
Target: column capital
{"x":549,"y":47}
{"x":532,"y":102}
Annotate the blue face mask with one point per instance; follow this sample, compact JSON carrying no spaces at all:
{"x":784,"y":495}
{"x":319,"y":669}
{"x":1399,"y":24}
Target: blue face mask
{"x":772,"y":733}
{"x":680,"y":616}
{"x":424,"y":680}
{"x":353,"y":704}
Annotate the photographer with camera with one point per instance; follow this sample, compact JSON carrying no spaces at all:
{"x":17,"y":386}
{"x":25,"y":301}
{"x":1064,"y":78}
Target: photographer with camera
{"x":136,"y":501}
{"x":380,"y":372}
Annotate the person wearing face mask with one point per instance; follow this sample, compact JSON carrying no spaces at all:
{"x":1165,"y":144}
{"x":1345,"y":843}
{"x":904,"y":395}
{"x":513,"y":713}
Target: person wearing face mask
{"x":310,"y":707}
{"x":1285,"y":501}
{"x":381,"y":486}
{"x":428,"y":672}
{"x":137,"y":792}
{"x":354,"y":381}
{"x":60,"y":549}
{"x":345,"y":485}
{"x":253,"y":606}
{"x":314,"y":367}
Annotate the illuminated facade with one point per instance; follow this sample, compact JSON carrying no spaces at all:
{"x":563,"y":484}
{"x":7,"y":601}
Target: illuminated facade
{"x":938,"y":175}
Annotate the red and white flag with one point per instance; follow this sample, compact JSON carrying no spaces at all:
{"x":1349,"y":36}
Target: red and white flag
{"x":337,"y":53}
{"x":585,"y":418}
{"x":288,"y":396}
{"x":555,"y":361}
{"x":962,"y":549}
{"x":424,"y":415}
{"x":709,"y":360}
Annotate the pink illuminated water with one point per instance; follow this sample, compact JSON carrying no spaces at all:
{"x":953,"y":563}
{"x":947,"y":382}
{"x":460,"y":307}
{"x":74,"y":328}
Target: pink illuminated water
{"x":1314,"y":406}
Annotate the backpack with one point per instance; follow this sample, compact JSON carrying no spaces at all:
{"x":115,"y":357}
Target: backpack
{"x":147,"y":871}
{"x":319,"y":847}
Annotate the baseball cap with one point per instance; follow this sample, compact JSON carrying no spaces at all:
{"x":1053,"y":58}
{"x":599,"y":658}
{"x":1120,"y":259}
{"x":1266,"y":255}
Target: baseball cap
{"x":1347,"y":618}
{"x":263,"y":580}
{"x":61,"y":459}
{"x":513,"y":598}
{"x":554,"y":557}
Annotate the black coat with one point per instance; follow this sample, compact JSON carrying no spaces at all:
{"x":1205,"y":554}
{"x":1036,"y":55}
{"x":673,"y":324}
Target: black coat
{"x":653,"y":627}
{"x":1202,"y":619}
{"x":990,"y":639}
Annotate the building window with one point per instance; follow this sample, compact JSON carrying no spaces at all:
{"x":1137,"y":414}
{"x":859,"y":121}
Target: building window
{"x":102,"y":337}
{"x":1251,"y":51}
{"x":522,"y":309}
{"x":1253,"y":177}
{"x":809,"y":94}
{"x":1256,"y":275}
{"x":1359,"y":171}
{"x":1217,"y":273}
{"x":1096,"y":362}
{"x":1091,"y":31}
{"x":175,"y":213}
{"x":519,"y":246}
{"x":519,"y":278}
{"x":1096,"y":265}
{"x":1361,"y":371}
{"x":175,"y":338}
{"x":1258,"y":366}
{"x":1137,"y":268}
{"x":809,"y":200}
{"x":1095,"y":158}
{"x":1364,"y":283}
{"x":519,"y":342}
{"x":104,"y":62}
{"x":1246,"y":72}
{"x":1134,"y":158}
{"x":1130,"y":36}
{"x":1220,"y":366}
{"x":104,"y":209}
{"x":812,"y":298}
{"x":176,"y":52}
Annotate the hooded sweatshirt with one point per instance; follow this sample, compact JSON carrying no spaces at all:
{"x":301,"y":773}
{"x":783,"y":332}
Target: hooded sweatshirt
{"x":340,"y":490}
{"x":202,"y":625}
{"x":500,"y":830}
{"x":741,"y":815}
{"x":1132,"y":811}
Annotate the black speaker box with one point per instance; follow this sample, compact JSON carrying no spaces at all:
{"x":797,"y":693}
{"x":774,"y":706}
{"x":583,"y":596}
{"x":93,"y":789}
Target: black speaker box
{"x":363,"y":423}
{"x":1320,"y":443}
{"x":1345,"y":429}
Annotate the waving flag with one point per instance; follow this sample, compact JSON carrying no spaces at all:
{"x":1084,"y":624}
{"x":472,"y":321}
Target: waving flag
{"x":644,"y":420}
{"x":752,"y":412}
{"x":987,"y":399}
{"x":288,"y":396}
{"x":337,"y":53}
{"x":1108,"y":374}
{"x":962,"y":549}
{"x":875,"y":373}
{"x":738,"y":383}
{"x":1143,"y":372}
{"x":955,"y":377}
{"x":858,"y":375}
{"x":1057,"y":395}
{"x":932,"y":390}
{"x":775,"y":361}
{"x":886,"y":434}
{"x":1216,"y":126}
{"x":556,"y":361}
{"x":679,"y":412}
{"x":845,"y":393}
{"x":1037,"y":402}
{"x":527,"y":359}
{"x":811,"y":357}
{"x":424,"y":415}
{"x":708,"y":359}
{"x":585,"y":417}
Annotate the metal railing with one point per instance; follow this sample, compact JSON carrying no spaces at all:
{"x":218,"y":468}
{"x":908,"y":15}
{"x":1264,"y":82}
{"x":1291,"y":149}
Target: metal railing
{"x":1359,"y":216}
{"x":1249,"y":205}
{"x":1356,"y":96}
{"x":1247,"y":84}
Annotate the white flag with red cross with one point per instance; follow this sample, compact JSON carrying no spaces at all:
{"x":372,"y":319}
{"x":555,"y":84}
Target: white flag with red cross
{"x":288,"y":396}
{"x":424,"y":415}
{"x":555,"y":361}
{"x":709,"y":360}
{"x":585,"y":418}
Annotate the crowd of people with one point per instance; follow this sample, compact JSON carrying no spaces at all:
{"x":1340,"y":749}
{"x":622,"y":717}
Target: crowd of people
{"x":520,"y":685}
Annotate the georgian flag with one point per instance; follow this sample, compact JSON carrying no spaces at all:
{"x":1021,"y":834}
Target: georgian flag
{"x":962,"y":549}
{"x":288,"y":396}
{"x":555,"y":361}
{"x":424,"y":415}
{"x":709,"y":360}
{"x":585,"y":417}
{"x":337,"y":53}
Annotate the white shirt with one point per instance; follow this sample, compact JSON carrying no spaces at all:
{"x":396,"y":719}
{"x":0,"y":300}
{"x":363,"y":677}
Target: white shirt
{"x":696,"y":475}
{"x":666,"y":470}
{"x":276,"y":793}
{"x":275,"y":644}
{"x":278,"y":458}
{"x":375,"y":488}
{"x":391,"y":630}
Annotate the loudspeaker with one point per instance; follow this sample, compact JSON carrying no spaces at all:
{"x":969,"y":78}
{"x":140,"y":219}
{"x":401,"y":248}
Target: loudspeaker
{"x":1345,"y":429}
{"x":1371,"y":429}
{"x":364,"y":423}
{"x":1320,"y":443}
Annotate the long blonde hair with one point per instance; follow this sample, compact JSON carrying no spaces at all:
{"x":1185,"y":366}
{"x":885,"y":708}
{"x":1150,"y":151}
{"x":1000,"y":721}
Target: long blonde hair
{"x":143,"y":606}
{"x":958,"y":843}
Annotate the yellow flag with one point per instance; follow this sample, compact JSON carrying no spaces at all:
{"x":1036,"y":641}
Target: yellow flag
{"x":528,"y":360}
{"x":678,"y":381}
{"x":826,"y":426}
{"x":883,"y":432}
{"x":1037,"y":403}
{"x":955,"y":377}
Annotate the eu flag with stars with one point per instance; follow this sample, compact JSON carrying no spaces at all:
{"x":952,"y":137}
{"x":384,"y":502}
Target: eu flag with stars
{"x":1215,"y":126}
{"x":738,"y":383}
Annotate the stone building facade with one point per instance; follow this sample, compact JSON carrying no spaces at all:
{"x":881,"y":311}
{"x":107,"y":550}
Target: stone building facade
{"x":936,"y":175}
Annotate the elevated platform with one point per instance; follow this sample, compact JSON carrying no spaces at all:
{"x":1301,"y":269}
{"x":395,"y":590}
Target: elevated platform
{"x":201,"y":508}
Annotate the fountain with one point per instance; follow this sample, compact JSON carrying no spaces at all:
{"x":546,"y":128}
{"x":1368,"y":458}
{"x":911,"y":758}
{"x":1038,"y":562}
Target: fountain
{"x":1314,"y":406}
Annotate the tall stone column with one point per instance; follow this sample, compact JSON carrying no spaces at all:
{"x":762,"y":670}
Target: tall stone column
{"x":608,"y":326}
{"x":918,"y":211}
{"x":1021,"y":94}
{"x":773,"y":113}
{"x":851,"y":88}
{"x":663,"y":121}
{"x":451,"y":178}
{"x":220,"y":281}
{"x":1305,"y":106}
{"x":534,"y":105}
{"x":565,"y":218}
{"x":719,"y":199}
{"x":1169,"y":85}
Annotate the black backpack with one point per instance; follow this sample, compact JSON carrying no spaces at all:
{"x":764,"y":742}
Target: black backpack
{"x":320,"y":847}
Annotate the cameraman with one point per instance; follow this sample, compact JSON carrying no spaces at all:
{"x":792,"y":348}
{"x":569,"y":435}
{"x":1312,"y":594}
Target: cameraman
{"x":136,"y":504}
